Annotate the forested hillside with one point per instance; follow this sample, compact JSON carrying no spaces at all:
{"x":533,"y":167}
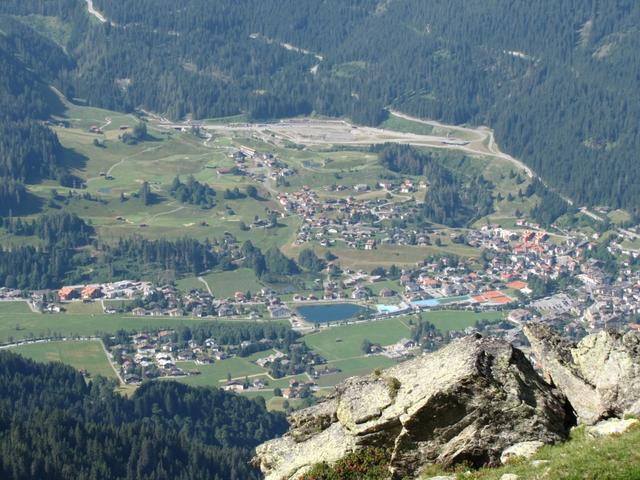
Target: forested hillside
{"x":557,"y":80}
{"x":28,"y":150}
{"x":56,"y":426}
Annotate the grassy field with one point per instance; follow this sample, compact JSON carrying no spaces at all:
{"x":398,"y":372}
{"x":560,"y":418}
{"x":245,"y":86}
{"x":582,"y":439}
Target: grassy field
{"x":354,"y":366}
{"x":407,"y":126}
{"x":225,"y":284}
{"x":612,"y":458}
{"x":214,"y":375}
{"x":344,"y":342}
{"x":17,"y":323}
{"x":619,"y":216}
{"x":87,"y":355}
{"x":384,"y":255}
{"x":157,"y":160}
{"x":14,"y":308}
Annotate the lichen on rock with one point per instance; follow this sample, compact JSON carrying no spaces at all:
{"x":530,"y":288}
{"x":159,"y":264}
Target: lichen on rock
{"x":600,"y":375}
{"x":464,"y":403}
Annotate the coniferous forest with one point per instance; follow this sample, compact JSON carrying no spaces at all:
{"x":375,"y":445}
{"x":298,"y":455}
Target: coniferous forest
{"x":54,"y":425}
{"x":555,"y":80}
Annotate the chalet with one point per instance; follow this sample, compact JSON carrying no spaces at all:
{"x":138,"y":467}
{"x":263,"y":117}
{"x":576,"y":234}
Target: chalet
{"x":360,"y":294}
{"x":132,"y":378}
{"x":519,"y":315}
{"x":289,"y":393}
{"x":386,"y":292}
{"x":225,"y":310}
{"x":91,"y":292}
{"x":68,"y":293}
{"x":407,"y":186}
{"x":233,"y":386}
{"x":259,"y":384}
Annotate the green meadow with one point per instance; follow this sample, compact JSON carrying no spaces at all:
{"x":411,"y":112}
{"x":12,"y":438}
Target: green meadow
{"x":88,"y":355}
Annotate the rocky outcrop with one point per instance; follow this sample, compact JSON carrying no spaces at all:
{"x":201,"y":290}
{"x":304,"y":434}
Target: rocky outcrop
{"x":465,"y":403}
{"x":600,"y":375}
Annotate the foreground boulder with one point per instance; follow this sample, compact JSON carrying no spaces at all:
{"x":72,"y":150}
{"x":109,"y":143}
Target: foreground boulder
{"x":465,"y":403}
{"x":600,"y":375}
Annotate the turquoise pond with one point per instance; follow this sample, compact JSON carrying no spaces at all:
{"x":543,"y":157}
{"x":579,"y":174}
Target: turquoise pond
{"x":335,"y":312}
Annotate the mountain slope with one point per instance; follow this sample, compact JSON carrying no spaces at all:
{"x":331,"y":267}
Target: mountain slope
{"x":557,"y":81}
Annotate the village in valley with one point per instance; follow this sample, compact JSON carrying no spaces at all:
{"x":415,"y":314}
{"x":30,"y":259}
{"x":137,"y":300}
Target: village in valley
{"x":399,"y":286}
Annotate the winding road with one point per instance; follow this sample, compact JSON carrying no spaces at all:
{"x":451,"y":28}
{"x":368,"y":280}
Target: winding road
{"x":481,"y":134}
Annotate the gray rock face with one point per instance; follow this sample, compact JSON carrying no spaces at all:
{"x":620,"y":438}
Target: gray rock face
{"x":600,"y":375}
{"x":464,"y":403}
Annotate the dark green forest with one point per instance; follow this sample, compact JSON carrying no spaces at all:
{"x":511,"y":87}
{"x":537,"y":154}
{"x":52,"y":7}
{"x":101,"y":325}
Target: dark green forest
{"x":451,"y":199}
{"x":57,"y":426}
{"x":556,"y":80}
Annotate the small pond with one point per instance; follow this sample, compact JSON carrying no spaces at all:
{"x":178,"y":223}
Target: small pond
{"x":335,"y":312}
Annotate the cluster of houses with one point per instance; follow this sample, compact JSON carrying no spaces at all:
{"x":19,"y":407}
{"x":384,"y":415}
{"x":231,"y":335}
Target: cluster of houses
{"x":10,"y":294}
{"x":146,"y":356}
{"x":258,"y":166}
{"x":359,"y":223}
{"x":593,"y":300}
{"x":124,"y":289}
{"x":152,"y":355}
